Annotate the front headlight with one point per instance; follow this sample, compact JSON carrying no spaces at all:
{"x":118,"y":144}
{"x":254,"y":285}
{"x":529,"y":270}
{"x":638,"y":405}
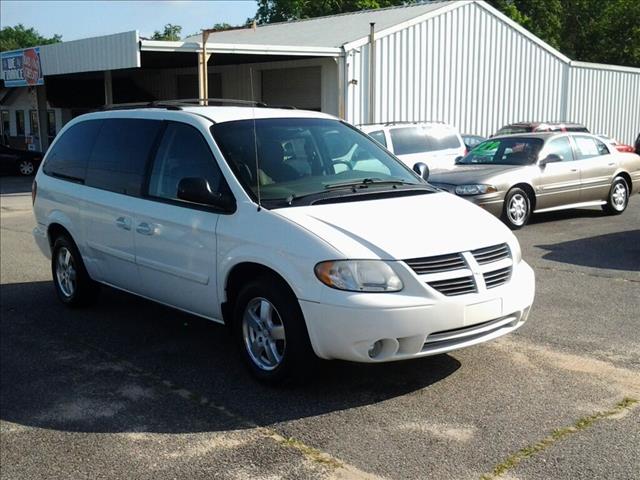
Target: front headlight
{"x":475,"y":189}
{"x":359,"y":275}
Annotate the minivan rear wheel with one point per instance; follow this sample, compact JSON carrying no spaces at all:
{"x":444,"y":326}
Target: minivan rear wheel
{"x":73,"y":285}
{"x":270,"y":332}
{"x":517,"y":208}
{"x":618,"y":198}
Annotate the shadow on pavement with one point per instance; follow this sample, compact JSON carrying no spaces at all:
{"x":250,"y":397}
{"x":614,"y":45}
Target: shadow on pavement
{"x":566,"y":214}
{"x":105,"y":368}
{"x":615,"y":251}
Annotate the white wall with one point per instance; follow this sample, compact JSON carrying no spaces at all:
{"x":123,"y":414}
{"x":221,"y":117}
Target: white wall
{"x":24,"y":98}
{"x":475,"y":69}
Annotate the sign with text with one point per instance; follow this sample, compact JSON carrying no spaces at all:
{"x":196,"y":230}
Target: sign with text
{"x":21,"y":68}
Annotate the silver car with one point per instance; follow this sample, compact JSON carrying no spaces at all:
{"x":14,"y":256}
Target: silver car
{"x":513,"y":176}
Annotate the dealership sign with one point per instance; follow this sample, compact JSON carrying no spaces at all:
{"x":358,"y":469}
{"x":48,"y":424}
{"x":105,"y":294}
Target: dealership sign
{"x":21,"y":68}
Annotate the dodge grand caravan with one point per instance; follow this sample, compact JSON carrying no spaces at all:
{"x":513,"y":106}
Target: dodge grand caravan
{"x":292,"y":227}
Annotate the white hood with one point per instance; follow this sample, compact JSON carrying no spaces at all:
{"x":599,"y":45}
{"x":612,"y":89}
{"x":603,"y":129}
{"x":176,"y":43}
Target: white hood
{"x":402,"y":227}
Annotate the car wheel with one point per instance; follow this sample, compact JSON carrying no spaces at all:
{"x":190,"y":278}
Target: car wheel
{"x":73,"y":285}
{"x":517,"y":208}
{"x":26,"y":168}
{"x":271,"y":334}
{"x":618,"y":198}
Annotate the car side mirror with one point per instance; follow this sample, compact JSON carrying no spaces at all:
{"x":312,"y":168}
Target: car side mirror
{"x":422,"y":169}
{"x":197,"y":190}
{"x":552,"y":158}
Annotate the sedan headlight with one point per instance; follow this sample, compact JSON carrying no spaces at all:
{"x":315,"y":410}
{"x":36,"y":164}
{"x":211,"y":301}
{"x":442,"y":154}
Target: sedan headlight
{"x":475,"y":189}
{"x":359,"y":275}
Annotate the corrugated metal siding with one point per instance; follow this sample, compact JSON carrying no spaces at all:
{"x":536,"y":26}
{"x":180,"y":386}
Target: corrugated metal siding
{"x":108,"y":52}
{"x":607,"y":101}
{"x":470,"y":68}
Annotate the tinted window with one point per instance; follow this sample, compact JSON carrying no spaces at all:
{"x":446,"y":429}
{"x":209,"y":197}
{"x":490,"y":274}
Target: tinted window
{"x":182,"y":153}
{"x":120,"y":154}
{"x":378,"y":136}
{"x":422,"y":139}
{"x":562,"y":148}
{"x":505,"y":151}
{"x":68,"y":156}
{"x":588,"y":147}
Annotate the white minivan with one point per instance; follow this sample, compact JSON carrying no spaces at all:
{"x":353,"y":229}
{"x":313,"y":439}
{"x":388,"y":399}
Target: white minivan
{"x":295,"y":229}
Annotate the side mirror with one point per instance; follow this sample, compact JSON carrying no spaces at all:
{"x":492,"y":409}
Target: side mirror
{"x":422,"y":170}
{"x":553,"y":158}
{"x":197,"y":190}
{"x":457,"y":160}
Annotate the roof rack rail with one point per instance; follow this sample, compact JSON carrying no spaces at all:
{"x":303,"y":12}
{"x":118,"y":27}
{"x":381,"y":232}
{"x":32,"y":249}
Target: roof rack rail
{"x":400,"y":122}
{"x":177,"y":104}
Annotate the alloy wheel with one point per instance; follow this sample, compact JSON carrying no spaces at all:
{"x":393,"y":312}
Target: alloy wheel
{"x":619,"y":196}
{"x":263,"y":334}
{"x":517,"y":209}
{"x":26,"y":167}
{"x":66,"y":272}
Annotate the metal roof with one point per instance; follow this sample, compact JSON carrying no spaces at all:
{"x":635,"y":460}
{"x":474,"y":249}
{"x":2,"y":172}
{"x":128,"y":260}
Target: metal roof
{"x":330,"y":31}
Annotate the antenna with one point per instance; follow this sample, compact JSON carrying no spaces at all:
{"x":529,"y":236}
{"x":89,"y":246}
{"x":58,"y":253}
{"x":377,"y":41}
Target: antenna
{"x":255,"y":141}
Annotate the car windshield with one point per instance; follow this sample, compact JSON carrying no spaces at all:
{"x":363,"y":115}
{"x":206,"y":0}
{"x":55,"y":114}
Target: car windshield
{"x":291,"y":158}
{"x":420,"y":139}
{"x":505,"y":151}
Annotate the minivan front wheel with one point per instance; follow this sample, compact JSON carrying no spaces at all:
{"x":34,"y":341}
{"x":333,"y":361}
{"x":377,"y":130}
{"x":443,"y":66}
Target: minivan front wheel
{"x":73,"y":285}
{"x":618,"y":197}
{"x":270,"y":332}
{"x":517,"y":208}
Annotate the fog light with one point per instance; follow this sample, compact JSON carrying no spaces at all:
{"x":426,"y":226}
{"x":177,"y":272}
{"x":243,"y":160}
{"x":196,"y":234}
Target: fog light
{"x":375,"y":349}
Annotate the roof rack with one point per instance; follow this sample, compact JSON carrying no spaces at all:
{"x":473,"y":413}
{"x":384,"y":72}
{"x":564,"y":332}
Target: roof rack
{"x":178,"y":104}
{"x":401,"y":122}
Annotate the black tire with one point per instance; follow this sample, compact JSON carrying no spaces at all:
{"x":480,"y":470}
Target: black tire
{"x":516,"y":211}
{"x":297,"y":358}
{"x":618,"y":197}
{"x":26,"y":168}
{"x":83,"y":290}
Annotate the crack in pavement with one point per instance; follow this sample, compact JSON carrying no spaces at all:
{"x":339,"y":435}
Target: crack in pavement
{"x":589,"y":274}
{"x":513,"y":460}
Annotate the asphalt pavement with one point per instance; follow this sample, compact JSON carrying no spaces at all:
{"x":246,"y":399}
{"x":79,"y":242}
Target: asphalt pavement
{"x":134,"y":390}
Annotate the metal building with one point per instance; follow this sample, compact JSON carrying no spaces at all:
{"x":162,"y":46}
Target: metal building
{"x":462,"y":62}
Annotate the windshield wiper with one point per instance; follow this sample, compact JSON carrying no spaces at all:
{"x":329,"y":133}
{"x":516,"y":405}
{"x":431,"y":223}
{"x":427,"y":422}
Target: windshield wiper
{"x":365,"y":183}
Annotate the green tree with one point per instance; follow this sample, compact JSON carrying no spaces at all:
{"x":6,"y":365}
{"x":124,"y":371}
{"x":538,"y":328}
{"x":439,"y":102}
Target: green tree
{"x":14,"y":38}
{"x":270,"y":11}
{"x":171,"y":32}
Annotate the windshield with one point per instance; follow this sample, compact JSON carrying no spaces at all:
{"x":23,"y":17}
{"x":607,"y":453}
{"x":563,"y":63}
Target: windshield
{"x":427,"y":138}
{"x":505,"y":151}
{"x":303,"y":156}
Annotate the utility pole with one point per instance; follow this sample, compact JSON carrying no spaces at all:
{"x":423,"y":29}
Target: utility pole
{"x":204,"y":74}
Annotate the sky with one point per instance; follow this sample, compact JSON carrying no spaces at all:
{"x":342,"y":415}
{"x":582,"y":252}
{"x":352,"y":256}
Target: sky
{"x":81,"y":19}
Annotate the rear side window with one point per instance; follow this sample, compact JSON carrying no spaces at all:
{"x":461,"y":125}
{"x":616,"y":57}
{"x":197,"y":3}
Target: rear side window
{"x":418,"y":139}
{"x":588,"y":147}
{"x":378,"y":136}
{"x":183,"y":153}
{"x":69,"y":155}
{"x":120,"y":154}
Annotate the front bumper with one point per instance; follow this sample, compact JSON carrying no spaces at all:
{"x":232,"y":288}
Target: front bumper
{"x":438,"y":326}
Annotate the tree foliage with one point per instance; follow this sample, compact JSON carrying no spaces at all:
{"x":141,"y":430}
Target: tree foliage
{"x":14,"y":38}
{"x":171,"y":32}
{"x":606,"y":31}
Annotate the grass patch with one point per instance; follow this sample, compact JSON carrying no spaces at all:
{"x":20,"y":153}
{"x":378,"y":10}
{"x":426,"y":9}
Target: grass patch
{"x":581,"y":424}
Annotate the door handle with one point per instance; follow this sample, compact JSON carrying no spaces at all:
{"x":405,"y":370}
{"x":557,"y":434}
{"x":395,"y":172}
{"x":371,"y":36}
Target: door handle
{"x":123,"y":223}
{"x":611,"y":164}
{"x":144,"y":229}
{"x":574,"y":169}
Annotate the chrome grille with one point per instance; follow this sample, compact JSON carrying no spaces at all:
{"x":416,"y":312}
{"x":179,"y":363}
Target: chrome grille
{"x":497,"y":277}
{"x":454,"y":286}
{"x":441,"y":263}
{"x":491,"y":254}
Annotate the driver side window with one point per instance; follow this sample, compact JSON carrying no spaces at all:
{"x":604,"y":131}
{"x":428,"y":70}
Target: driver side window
{"x":560,"y":147}
{"x":182,"y":153}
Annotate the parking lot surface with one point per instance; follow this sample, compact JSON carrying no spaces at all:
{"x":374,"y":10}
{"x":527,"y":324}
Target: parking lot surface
{"x":130,"y":389}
